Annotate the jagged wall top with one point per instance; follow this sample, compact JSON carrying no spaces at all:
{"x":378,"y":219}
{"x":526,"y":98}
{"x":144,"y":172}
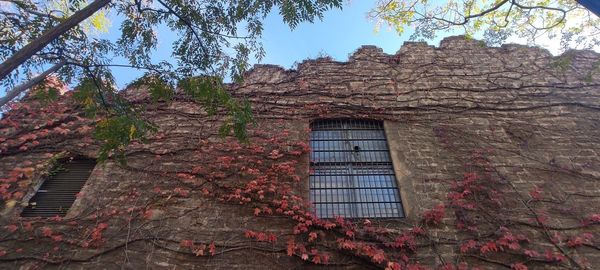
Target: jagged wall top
{"x":423,"y":53}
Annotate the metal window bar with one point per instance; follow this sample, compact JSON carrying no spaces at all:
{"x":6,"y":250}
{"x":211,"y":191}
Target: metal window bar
{"x":352,"y":174}
{"x":58,"y":193}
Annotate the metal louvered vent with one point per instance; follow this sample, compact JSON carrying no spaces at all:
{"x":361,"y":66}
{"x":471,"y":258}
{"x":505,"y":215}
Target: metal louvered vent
{"x":351,"y":170}
{"x":58,"y":192}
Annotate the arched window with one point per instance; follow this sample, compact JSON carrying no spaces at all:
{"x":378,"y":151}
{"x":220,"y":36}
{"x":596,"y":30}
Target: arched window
{"x":351,"y":170}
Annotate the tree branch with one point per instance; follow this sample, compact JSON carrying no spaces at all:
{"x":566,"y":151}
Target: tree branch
{"x":26,"y":85}
{"x":39,"y":43}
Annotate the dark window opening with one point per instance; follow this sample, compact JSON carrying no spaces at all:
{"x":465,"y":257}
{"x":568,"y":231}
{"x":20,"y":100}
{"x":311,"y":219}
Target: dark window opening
{"x":59,"y":191}
{"x":351,"y":170}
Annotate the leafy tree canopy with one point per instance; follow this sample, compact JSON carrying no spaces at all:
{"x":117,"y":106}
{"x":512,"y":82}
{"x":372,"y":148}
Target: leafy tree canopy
{"x":215,"y":40}
{"x":215,"y":37}
{"x":496,"y":21}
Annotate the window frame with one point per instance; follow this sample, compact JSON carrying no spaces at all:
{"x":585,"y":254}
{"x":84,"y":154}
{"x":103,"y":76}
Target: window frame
{"x":377,"y":185}
{"x":88,"y":164}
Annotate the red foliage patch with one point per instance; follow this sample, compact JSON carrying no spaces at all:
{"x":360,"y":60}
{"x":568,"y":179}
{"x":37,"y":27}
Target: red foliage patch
{"x":434,"y":216}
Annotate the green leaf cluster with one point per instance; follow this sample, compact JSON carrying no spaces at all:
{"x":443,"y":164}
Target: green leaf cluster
{"x":589,"y":77}
{"x":215,"y":40}
{"x":116,"y":132}
{"x":46,"y":94}
{"x":120,"y":124}
{"x":160,"y":89}
{"x":563,"y":21}
{"x":210,"y":92}
{"x":562,"y":62}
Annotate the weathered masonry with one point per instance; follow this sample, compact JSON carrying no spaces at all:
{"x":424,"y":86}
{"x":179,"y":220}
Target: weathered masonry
{"x":452,"y":157}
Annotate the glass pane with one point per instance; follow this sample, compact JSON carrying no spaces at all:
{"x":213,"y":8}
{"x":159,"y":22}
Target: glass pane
{"x":330,"y":145}
{"x":367,"y":134}
{"x":328,"y":135}
{"x":363,"y":124}
{"x":330,"y":169}
{"x":364,"y":145}
{"x":328,"y":124}
{"x":330,"y":181}
{"x":371,"y":156}
{"x":382,"y":210}
{"x":330,"y":157}
{"x":375,"y":181}
{"x":333,"y":195}
{"x":373,"y":169}
{"x":351,"y":170}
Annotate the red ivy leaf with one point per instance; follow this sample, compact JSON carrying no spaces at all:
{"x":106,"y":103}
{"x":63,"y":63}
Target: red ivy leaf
{"x":312,"y":236}
{"x":518,"y":266}
{"x":316,"y":259}
{"x":346,"y":244}
{"x":249,"y":234}
{"x":200,"y":250}
{"x":531,"y":253}
{"x":148,"y":214}
{"x":554,"y":256}
{"x":275,"y":154}
{"x":18,"y":195}
{"x":291,"y":246}
{"x":488,"y":247}
{"x":536,"y":193}
{"x":593,"y":218}
{"x":449,"y":267}
{"x":465,"y":247}
{"x":11,"y":227}
{"x":329,"y":225}
{"x":378,"y":257}
{"x":272,"y":238}
{"x":182,"y":192}
{"x":434,"y":216}
{"x":46,"y":231}
{"x":57,"y":238}
{"x":393,"y":266}
{"x":261,"y":237}
{"x":212,"y":248}
{"x":186,"y":243}
{"x":417,"y":230}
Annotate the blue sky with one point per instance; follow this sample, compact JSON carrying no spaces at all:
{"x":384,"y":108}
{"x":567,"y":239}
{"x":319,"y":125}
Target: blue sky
{"x":339,"y":34}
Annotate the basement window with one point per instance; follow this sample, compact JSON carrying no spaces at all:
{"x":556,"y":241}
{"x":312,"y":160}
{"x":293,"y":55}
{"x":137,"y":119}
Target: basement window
{"x":59,"y":191}
{"x":351,"y":170}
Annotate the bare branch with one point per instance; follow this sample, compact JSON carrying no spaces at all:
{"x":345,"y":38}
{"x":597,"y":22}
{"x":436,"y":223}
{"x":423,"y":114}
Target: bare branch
{"x":26,"y":85}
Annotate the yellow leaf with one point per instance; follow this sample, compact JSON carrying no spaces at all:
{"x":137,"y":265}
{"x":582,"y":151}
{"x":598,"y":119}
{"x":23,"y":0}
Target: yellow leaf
{"x":100,"y":22}
{"x":10,"y":204}
{"x":88,"y":101}
{"x":132,"y":130}
{"x":103,"y":123}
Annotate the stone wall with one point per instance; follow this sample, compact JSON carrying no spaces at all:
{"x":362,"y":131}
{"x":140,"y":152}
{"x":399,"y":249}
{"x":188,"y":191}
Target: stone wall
{"x":516,"y":116}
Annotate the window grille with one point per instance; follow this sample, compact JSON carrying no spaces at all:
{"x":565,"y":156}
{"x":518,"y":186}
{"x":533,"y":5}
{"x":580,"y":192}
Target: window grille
{"x":59,"y":191}
{"x":351,"y":170}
